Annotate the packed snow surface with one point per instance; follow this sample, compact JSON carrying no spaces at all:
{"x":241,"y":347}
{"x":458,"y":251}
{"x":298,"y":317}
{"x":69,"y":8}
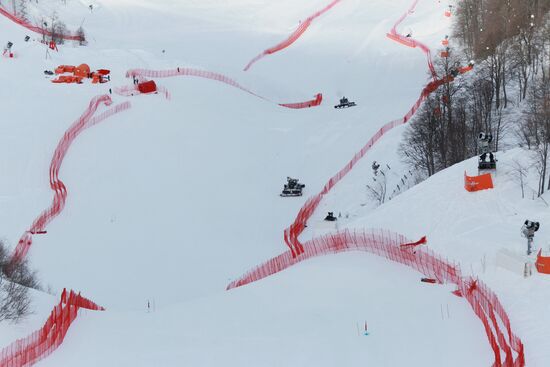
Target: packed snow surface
{"x":171,"y":200}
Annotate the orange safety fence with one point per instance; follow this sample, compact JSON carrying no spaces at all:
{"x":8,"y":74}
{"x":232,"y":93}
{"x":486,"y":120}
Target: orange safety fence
{"x":506,"y":346}
{"x":220,"y":78}
{"x":40,"y":344}
{"x":33,"y":28}
{"x":477,"y":183}
{"x":543,"y":263}
{"x":304,"y":25}
{"x":60,"y":191}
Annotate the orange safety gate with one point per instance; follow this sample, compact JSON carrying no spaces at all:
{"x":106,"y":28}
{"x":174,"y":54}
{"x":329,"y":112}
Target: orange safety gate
{"x":477,"y":183}
{"x":543,"y":263}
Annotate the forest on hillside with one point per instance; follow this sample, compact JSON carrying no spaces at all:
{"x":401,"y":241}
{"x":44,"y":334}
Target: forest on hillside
{"x":507,"y":95}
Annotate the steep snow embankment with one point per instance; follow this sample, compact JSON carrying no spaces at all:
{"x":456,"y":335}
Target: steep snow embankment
{"x":472,"y":228}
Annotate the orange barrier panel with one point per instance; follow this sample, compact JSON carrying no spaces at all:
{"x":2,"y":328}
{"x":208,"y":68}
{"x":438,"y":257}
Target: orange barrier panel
{"x":477,"y":183}
{"x":543,"y":263}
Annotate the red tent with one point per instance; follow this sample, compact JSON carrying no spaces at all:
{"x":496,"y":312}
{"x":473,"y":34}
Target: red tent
{"x":147,"y":87}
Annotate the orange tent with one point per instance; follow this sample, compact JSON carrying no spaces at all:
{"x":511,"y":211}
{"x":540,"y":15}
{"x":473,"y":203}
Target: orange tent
{"x":543,"y":263}
{"x":82,"y":70}
{"x":476,"y":183}
{"x":64,"y":69}
{"x":67,"y":79}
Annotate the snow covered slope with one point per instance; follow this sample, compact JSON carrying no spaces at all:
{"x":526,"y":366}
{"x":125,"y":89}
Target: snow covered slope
{"x":171,"y":200}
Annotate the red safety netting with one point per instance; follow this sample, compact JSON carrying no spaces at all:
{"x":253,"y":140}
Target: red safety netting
{"x":297,"y":227}
{"x":304,"y":25}
{"x":504,"y":343}
{"x":60,"y":191}
{"x":21,"y":22}
{"x":41,"y":343}
{"x":410,"y":42}
{"x":314,"y":102}
{"x":218,"y":77}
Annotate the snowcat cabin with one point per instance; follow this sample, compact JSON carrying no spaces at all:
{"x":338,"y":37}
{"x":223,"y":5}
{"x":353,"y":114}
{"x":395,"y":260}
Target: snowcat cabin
{"x":485,"y":164}
{"x":292,"y":188}
{"x":487,"y":160}
{"x":344,"y":103}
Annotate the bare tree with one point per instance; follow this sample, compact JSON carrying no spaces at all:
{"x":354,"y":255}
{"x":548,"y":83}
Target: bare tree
{"x":535,"y":127}
{"x":377,"y":191}
{"x":14,"y":286}
{"x":81,"y":36}
{"x":519,"y":174}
